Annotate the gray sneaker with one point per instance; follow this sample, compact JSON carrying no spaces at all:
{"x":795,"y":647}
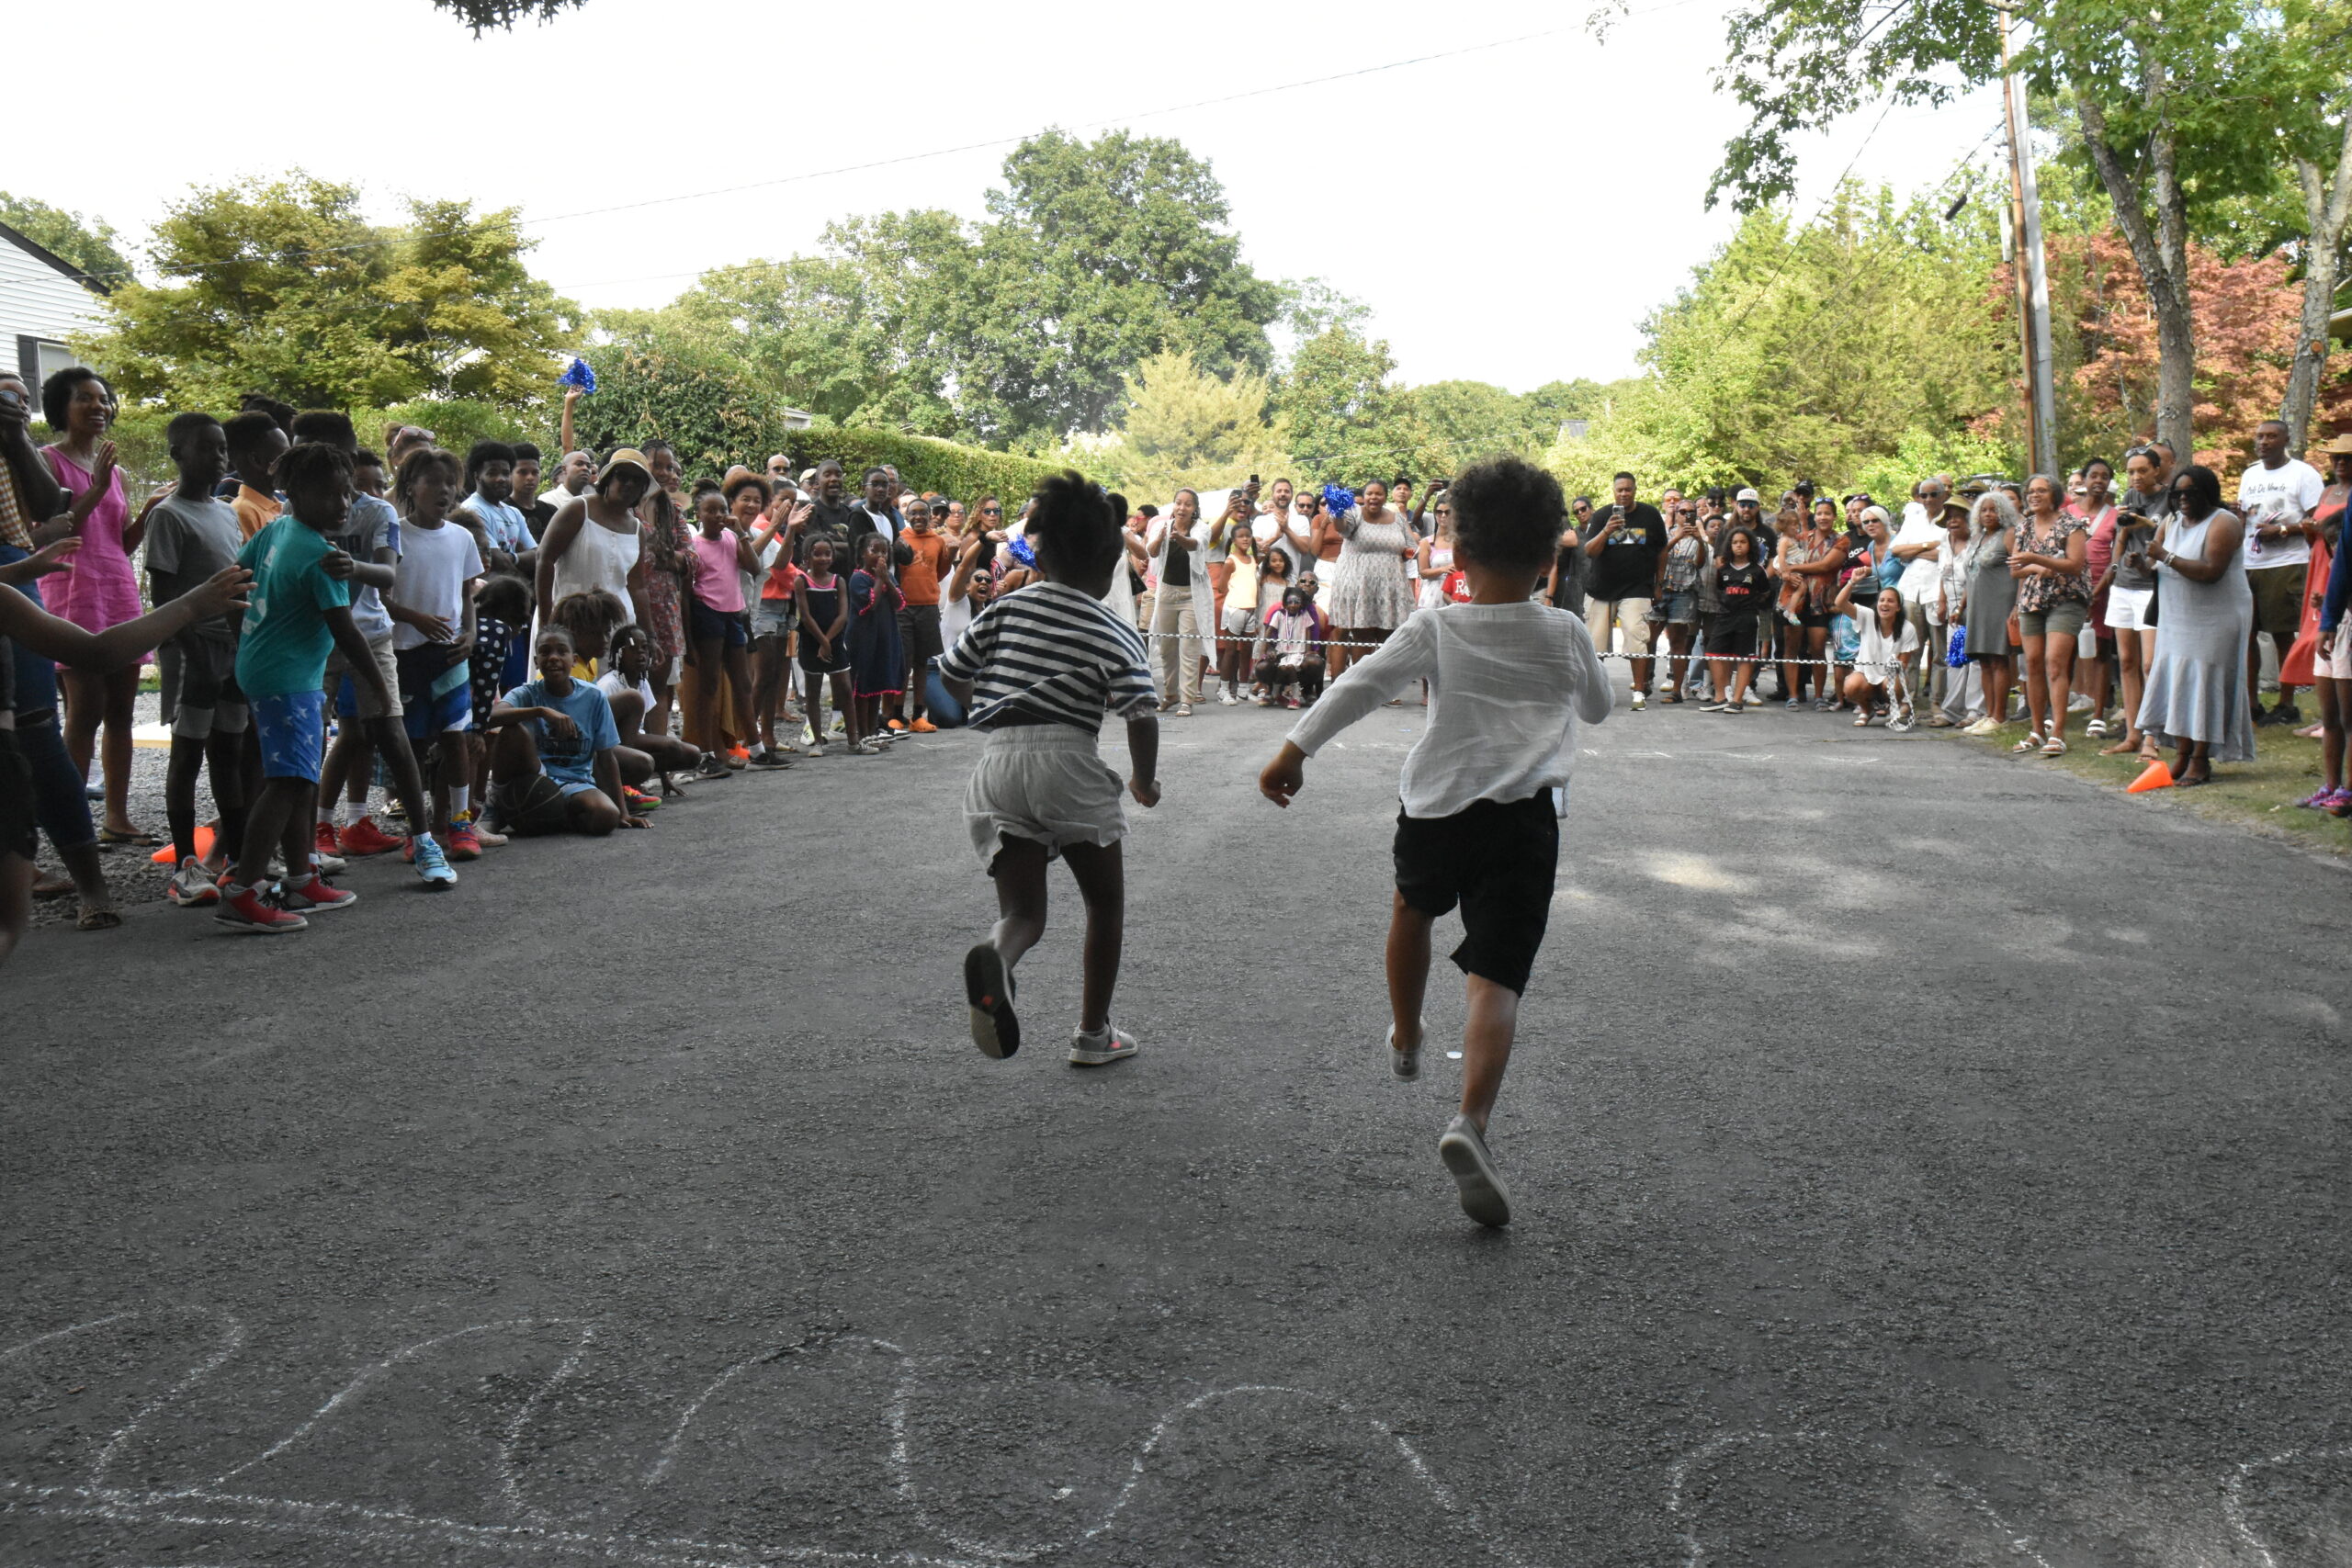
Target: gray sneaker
{"x":988,"y":992}
{"x":1407,"y":1063}
{"x":1102,"y":1047}
{"x":1464,"y":1150}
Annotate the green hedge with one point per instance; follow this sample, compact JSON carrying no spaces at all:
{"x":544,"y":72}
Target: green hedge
{"x":924,"y":463}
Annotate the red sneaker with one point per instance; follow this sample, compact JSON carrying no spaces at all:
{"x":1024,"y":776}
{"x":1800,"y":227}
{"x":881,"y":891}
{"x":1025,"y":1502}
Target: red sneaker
{"x":364,"y":838}
{"x":312,"y":895}
{"x":323,"y":840}
{"x":464,"y":842}
{"x":247,"y":910}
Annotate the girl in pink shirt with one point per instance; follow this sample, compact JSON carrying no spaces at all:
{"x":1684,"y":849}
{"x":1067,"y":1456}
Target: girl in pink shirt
{"x":717,"y":639}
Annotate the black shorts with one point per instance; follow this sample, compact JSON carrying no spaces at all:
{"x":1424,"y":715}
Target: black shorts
{"x":919,"y":635}
{"x":1497,"y":862}
{"x":1732,"y":637}
{"x":721,"y":627}
{"x":536,"y":806}
{"x":1814,"y":622}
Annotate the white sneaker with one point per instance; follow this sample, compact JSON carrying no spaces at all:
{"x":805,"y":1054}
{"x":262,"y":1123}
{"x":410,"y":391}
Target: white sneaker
{"x":1407,"y":1063}
{"x":1464,"y":1150}
{"x":1102,"y":1047}
{"x":1983,"y":727}
{"x":1641,"y":701}
{"x":190,"y":887}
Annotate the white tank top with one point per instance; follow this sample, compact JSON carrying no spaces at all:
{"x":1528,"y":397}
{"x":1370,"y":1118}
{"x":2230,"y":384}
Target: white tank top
{"x":598,"y":558}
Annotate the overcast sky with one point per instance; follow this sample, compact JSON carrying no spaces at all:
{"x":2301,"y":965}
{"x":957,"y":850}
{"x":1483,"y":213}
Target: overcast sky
{"x":1511,"y":213}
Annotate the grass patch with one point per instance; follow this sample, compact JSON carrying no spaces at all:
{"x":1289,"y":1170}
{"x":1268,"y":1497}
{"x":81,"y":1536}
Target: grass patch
{"x":2260,"y":795}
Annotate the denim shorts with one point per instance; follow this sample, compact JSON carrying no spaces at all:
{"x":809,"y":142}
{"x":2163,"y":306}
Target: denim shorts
{"x":771,"y":617}
{"x":1679,"y":609}
{"x":293,"y":733}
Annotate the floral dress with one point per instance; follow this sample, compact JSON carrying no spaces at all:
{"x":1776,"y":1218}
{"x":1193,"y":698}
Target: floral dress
{"x":1371,"y":583}
{"x":2038,"y":592}
{"x":665,"y":625}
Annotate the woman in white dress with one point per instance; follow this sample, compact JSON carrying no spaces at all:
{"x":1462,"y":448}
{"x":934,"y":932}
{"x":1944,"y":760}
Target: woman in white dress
{"x":1372,"y":588}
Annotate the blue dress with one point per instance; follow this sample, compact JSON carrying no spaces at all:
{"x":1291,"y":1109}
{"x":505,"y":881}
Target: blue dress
{"x":877,"y":662}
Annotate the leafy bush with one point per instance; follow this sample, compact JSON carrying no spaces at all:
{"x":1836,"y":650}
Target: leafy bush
{"x":456,"y":422}
{"x":924,"y":463}
{"x":701,"y":401}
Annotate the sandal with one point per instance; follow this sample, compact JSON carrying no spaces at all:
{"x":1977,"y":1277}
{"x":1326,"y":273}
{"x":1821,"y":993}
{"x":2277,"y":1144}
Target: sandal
{"x":2056,"y":747}
{"x":52,"y":888}
{"x":109,"y":838}
{"x":1862,"y":719}
{"x":2126,"y":744}
{"x":2032,"y":742}
{"x":2096,"y":730}
{"x":97,"y":921}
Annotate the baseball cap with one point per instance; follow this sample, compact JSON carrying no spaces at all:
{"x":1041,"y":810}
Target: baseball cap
{"x":1748,"y":493}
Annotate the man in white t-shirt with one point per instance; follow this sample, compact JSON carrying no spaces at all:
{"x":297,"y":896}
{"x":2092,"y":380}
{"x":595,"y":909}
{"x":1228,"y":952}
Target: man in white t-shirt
{"x":1919,"y":545}
{"x":1279,"y":526}
{"x":2277,"y":496}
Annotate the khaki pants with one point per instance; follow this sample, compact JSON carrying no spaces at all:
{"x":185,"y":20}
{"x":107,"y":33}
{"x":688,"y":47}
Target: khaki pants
{"x":1176,"y":649}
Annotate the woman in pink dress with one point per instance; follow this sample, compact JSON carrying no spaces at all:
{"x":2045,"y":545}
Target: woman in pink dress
{"x":101,"y":590}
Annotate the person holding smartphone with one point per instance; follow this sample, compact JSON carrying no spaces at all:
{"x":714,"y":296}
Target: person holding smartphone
{"x":1623,"y":552}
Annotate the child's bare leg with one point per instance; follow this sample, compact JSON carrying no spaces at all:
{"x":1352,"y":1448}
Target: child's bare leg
{"x":1100,"y":870}
{"x":1020,"y":876}
{"x":845,"y":706}
{"x":1485,"y":1046}
{"x":1408,"y":971}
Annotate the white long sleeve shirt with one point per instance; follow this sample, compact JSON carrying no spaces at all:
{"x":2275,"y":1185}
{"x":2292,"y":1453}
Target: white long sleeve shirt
{"x":1507,"y":686}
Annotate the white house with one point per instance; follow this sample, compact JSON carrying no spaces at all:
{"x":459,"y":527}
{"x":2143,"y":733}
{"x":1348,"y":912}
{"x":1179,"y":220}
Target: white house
{"x":44,"y":299}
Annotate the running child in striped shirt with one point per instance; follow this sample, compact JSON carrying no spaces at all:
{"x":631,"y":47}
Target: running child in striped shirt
{"x":1037,"y":670}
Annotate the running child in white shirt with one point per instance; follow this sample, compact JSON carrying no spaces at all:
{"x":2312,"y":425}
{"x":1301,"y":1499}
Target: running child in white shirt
{"x":1482,"y":790}
{"x":1036,"y":671}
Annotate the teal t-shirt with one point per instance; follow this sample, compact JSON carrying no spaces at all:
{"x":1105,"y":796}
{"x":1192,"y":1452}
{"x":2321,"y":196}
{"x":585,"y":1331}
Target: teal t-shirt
{"x":286,"y":641}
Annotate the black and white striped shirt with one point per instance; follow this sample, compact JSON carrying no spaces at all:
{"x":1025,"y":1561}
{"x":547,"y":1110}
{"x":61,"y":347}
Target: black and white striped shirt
{"x":1053,"y":653}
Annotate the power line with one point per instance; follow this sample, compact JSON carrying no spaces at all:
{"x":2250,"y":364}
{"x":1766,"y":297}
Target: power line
{"x":1161,"y":112}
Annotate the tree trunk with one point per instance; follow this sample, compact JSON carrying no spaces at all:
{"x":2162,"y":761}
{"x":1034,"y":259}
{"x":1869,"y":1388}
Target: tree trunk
{"x":2160,"y":250}
{"x":2327,"y":205}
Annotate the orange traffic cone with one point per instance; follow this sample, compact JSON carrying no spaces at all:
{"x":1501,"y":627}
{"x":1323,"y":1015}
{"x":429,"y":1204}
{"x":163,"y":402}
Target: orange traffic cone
{"x":2156,"y":776}
{"x":169,"y":856}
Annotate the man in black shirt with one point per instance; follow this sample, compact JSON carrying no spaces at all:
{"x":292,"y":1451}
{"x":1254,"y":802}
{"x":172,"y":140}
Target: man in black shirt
{"x":1624,"y":550}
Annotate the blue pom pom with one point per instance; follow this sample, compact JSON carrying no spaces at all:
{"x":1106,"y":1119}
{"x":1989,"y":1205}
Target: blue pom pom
{"x":1022,"y":550}
{"x":1338,"y":500}
{"x":578,"y":374}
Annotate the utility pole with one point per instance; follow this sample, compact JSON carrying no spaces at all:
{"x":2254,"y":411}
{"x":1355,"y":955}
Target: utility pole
{"x":2032,"y":270}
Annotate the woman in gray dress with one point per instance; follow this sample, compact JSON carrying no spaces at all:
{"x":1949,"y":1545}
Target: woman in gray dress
{"x":1992,"y":594}
{"x":2197,"y":699}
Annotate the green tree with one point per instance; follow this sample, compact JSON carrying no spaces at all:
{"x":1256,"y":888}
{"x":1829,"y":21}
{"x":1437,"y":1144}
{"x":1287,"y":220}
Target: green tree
{"x":1185,"y":426}
{"x":1096,"y":255}
{"x":702,"y":401}
{"x":2138,"y":82}
{"x":1466,"y":420}
{"x":1811,"y":352}
{"x":485,"y":15}
{"x":867,"y":334}
{"x":1347,"y":423}
{"x":284,"y":288}
{"x":89,"y":243}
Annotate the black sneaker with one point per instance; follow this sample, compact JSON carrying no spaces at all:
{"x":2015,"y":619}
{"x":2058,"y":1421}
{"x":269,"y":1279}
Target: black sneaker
{"x":2285,"y":713}
{"x":988,"y":992}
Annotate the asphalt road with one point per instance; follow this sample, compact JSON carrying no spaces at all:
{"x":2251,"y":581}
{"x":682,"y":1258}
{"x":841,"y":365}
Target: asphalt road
{"x":1920,"y":1157}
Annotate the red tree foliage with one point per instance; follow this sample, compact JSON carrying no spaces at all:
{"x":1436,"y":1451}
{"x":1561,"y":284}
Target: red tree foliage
{"x":2246,"y":313}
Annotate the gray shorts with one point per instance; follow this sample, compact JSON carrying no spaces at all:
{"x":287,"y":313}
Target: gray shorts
{"x":209,"y":700}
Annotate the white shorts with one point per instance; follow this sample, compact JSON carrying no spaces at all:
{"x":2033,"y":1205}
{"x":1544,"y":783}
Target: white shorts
{"x":2127,"y":609}
{"x":1631,"y":616}
{"x":2337,"y":666}
{"x":1043,"y":781}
